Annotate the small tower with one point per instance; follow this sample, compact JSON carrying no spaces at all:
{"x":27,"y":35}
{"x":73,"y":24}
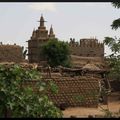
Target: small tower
{"x":41,"y":32}
{"x":42,"y":23}
{"x":39,"y":37}
{"x":51,"y":33}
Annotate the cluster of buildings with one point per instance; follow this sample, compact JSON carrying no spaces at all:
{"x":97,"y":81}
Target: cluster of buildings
{"x":85,"y":48}
{"x":81,"y":52}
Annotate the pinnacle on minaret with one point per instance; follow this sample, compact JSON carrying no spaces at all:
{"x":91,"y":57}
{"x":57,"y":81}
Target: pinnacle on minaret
{"x":42,"y":21}
{"x":51,"y":30}
{"x":51,"y":33}
{"x":41,"y":18}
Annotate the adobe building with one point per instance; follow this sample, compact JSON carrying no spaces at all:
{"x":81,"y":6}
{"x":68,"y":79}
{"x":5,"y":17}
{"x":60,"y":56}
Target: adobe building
{"x":85,"y":48}
{"x":38,"y":38}
{"x":88,"y":47}
{"x":11,"y":53}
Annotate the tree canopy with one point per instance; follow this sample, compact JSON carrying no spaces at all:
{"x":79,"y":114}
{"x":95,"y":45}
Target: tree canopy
{"x":56,"y":52}
{"x":116,"y":23}
{"x":114,"y":45}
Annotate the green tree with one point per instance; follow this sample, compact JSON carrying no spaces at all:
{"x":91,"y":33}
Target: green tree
{"x":17,"y":99}
{"x":114,"y":45}
{"x":57,"y":53}
{"x":116,"y":23}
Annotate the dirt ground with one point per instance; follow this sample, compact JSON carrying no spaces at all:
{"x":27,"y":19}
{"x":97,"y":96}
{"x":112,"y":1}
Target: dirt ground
{"x":113,"y":105}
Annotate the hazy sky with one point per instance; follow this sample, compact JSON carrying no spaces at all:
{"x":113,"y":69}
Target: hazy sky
{"x":76,"y":20}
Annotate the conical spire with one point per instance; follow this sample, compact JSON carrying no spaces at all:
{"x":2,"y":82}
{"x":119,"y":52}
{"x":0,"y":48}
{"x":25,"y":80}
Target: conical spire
{"x":51,"y":33}
{"x":51,"y":30}
{"x":42,"y":21}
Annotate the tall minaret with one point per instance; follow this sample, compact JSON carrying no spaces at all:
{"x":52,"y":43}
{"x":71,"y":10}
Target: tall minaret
{"x":51,"y":33}
{"x":42,"y":23}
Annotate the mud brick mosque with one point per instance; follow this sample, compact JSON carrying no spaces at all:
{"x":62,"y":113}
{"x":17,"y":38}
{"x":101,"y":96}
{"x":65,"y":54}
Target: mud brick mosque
{"x":84,"y":48}
{"x":89,"y":47}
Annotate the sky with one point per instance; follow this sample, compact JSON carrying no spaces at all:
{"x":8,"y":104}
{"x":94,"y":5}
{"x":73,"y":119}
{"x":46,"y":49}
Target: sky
{"x":69,"y":20}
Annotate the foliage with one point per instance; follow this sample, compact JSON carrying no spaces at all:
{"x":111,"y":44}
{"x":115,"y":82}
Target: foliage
{"x":114,"y":63}
{"x":54,"y":88}
{"x":114,"y":45}
{"x":80,"y":98}
{"x":116,"y":4}
{"x":56,"y":52}
{"x":116,"y":23}
{"x":19,"y":99}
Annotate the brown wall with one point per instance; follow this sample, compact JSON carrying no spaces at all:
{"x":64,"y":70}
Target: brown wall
{"x":87,"y":48}
{"x":74,"y":91}
{"x":11,"y":53}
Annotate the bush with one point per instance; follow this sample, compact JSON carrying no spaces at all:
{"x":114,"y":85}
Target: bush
{"x":17,"y":100}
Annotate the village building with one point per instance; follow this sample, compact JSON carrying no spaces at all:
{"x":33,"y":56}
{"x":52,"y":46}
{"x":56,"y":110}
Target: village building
{"x":86,"y":48}
{"x":88,"y":55}
{"x":38,"y":38}
{"x":11,"y":53}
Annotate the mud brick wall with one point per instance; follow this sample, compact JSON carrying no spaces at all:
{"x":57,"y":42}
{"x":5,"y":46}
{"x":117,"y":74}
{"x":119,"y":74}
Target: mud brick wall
{"x":81,"y":61}
{"x":75,"y":91}
{"x":11,"y":53}
{"x":87,"y":47}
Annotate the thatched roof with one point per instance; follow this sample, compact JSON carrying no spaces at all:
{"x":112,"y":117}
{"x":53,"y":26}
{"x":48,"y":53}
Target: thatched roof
{"x":91,"y":67}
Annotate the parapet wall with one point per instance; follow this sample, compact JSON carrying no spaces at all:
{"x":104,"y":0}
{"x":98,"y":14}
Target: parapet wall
{"x":86,"y":48}
{"x":11,"y":53}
